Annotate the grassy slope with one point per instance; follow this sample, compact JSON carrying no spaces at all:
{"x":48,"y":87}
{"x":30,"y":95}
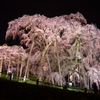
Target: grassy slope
{"x":21,"y":91}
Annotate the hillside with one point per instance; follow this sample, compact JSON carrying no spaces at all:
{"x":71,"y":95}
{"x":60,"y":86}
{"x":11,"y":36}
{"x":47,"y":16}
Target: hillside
{"x":10,"y":90}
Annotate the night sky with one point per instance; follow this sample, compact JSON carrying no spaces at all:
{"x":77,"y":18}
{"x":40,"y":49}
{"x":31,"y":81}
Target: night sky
{"x":12,"y":9}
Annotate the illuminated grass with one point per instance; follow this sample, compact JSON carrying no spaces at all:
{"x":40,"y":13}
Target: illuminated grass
{"x":28,"y":81}
{"x":11,"y":90}
{"x":77,"y":90}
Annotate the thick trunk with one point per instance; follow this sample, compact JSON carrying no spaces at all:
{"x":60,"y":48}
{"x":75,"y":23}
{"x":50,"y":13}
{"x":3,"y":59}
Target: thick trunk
{"x":83,"y":70}
{"x":59,"y":67}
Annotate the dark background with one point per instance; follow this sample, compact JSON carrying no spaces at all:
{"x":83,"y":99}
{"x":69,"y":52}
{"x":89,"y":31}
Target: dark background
{"x":12,"y":9}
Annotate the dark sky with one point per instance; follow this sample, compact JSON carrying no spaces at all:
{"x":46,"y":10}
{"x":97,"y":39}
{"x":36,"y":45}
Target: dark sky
{"x":12,"y":9}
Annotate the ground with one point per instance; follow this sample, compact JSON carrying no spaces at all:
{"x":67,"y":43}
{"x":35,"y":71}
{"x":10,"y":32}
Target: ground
{"x":22,"y":91}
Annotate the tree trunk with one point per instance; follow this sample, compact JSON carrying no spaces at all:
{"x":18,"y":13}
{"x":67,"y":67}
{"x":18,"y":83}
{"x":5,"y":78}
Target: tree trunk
{"x":18,"y":66}
{"x":27,"y":65}
{"x":9,"y":63}
{"x":52,"y":80}
{"x":83,"y":70}
{"x":59,"y":67}
{"x":1,"y":61}
{"x":28,"y":72}
{"x":21,"y":68}
{"x":88,"y":82}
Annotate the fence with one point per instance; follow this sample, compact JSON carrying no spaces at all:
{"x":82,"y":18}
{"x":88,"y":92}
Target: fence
{"x":12,"y":77}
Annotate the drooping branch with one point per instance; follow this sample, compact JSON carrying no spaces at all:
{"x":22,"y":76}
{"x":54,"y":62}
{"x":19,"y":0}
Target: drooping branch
{"x":72,"y":31}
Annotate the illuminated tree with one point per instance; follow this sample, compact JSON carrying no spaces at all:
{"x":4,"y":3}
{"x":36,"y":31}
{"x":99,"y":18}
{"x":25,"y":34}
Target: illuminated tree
{"x":64,"y":45}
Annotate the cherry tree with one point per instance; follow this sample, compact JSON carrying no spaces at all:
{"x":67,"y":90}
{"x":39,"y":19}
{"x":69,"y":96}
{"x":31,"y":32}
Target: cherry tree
{"x":63,"y":44}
